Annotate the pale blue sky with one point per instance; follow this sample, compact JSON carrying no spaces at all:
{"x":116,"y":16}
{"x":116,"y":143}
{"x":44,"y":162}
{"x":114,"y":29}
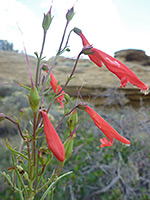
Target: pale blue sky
{"x":110,"y":25}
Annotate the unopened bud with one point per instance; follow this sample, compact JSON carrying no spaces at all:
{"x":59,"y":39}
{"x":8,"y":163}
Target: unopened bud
{"x":77,"y":30}
{"x":73,"y":120}
{"x":7,"y":178}
{"x":22,"y":172}
{"x":21,"y":112}
{"x":67,"y":97}
{"x":25,"y":176}
{"x":70,"y":14}
{"x":34,"y":99}
{"x":2,"y":116}
{"x":45,"y":67}
{"x":82,"y":106}
{"x":20,"y":169}
{"x":42,"y":156}
{"x":68,"y":145}
{"x":47,"y":20}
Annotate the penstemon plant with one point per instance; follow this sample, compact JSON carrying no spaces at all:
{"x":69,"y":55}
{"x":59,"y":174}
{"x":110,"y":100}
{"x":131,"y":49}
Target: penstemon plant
{"x":28,"y":166}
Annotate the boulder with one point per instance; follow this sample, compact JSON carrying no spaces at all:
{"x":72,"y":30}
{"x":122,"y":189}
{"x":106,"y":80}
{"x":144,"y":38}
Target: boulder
{"x":132,"y":55}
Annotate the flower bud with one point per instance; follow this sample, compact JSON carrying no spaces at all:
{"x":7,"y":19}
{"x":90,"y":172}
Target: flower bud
{"x":7,"y":178}
{"x":42,"y":157}
{"x":22,"y":172}
{"x":34,"y":99}
{"x":2,"y":116}
{"x":47,"y":20}
{"x":82,"y":106}
{"x":25,"y":176}
{"x":45,"y":67}
{"x":68,"y":145}
{"x":67,"y":97}
{"x":77,"y":30}
{"x":20,"y":169}
{"x":73,"y":120}
{"x":70,"y":14}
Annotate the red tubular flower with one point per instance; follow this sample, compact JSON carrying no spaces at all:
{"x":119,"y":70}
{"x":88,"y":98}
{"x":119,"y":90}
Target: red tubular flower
{"x":53,"y":140}
{"x":105,"y":128}
{"x":113,"y":65}
{"x":57,"y":88}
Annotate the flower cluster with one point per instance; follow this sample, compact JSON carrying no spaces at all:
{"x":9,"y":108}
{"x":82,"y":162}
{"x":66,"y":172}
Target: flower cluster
{"x":120,"y":70}
{"x":32,"y":163}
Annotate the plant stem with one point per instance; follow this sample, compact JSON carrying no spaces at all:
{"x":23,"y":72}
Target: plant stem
{"x":34,"y":140}
{"x":74,"y":68}
{"x":54,"y":61}
{"x":65,"y":116}
{"x":66,"y":41}
{"x":63,"y":37}
{"x":44,"y":38}
{"x":32,"y":163}
{"x":16,"y":123}
{"x":51,"y":186}
{"x":34,"y":135}
{"x":39,"y":60}
{"x":19,"y":179}
{"x":36,"y":180}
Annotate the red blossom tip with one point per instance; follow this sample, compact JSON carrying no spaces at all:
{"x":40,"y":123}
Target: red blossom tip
{"x":105,"y":142}
{"x":56,"y":87}
{"x":115,"y":66}
{"x":106,"y":128}
{"x":53,"y":140}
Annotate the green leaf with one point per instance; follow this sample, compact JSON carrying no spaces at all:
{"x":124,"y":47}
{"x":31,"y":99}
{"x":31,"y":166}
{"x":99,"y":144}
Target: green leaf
{"x":14,"y":151}
{"x":52,"y":184}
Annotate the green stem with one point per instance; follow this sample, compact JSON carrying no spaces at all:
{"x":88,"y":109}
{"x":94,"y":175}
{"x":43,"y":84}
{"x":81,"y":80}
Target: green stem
{"x":34,"y":140}
{"x":50,"y":180}
{"x":74,"y":68}
{"x":58,"y":52}
{"x":63,"y":37}
{"x":33,"y":157}
{"x":14,"y":151}
{"x":43,"y":43}
{"x":65,"y":116}
{"x":37,"y":72}
{"x":17,"y":126}
{"x":66,"y":41}
{"x":39,"y":60}
{"x":36,"y":180}
{"x":51,"y":186}
{"x":19,"y":178}
{"x":28,"y":150}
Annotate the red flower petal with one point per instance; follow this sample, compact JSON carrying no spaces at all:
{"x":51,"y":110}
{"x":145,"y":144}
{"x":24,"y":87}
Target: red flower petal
{"x":53,"y":139}
{"x":119,"y":69}
{"x":105,"y":142}
{"x":55,"y":87}
{"x":105,"y":128}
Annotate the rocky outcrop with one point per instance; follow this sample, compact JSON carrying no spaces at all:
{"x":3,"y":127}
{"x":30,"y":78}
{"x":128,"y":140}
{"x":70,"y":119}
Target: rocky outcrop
{"x":95,"y":83}
{"x":133,"y":55}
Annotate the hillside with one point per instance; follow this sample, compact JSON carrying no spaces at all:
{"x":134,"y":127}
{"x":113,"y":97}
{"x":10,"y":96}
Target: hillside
{"x":95,"y":82}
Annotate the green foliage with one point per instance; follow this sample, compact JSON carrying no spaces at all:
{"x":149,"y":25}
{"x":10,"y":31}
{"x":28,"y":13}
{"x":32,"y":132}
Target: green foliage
{"x":94,"y":168}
